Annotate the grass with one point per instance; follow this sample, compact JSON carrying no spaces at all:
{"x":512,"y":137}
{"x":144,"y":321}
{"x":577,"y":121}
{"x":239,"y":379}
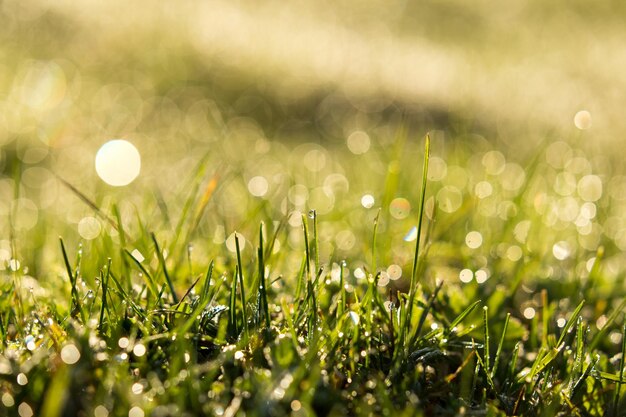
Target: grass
{"x":160,"y":333}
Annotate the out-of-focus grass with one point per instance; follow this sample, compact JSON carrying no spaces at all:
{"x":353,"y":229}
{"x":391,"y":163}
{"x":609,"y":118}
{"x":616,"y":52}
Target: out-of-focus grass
{"x":246,"y":114}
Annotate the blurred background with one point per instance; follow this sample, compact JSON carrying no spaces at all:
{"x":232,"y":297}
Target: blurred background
{"x":271,"y":108}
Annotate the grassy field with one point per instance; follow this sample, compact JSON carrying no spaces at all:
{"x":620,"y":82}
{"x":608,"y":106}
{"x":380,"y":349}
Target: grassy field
{"x":313,"y":211}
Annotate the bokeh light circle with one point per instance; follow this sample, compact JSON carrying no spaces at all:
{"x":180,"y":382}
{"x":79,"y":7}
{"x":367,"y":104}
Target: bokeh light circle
{"x":118,"y":162}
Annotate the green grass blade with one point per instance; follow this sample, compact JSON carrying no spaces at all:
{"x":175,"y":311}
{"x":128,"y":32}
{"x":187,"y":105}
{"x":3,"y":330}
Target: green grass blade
{"x":164,"y":268}
{"x":463,"y":315}
{"x":204,"y":294}
{"x":75,"y":302}
{"x":600,"y":335}
{"x":487,"y":364}
{"x":496,"y":361}
{"x":307,"y":251}
{"x":150,"y":281}
{"x":264,"y":305}
{"x":413,"y":282}
{"x":374,"y":236}
{"x":242,"y":285}
{"x":570,"y":323}
{"x":618,"y":385}
{"x":232,"y":306}
{"x":104,"y":279}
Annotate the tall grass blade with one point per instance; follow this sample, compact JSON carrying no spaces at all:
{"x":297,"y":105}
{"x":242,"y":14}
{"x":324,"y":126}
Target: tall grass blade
{"x":242,"y":285}
{"x":150,"y":281}
{"x":463,"y":314}
{"x":496,"y":361}
{"x":161,"y":259}
{"x":622,"y":362}
{"x":104,"y":279}
{"x":232,"y":306}
{"x":570,"y":323}
{"x":75,"y":302}
{"x":413,"y":282}
{"x":264,"y":306}
{"x":204,"y":294}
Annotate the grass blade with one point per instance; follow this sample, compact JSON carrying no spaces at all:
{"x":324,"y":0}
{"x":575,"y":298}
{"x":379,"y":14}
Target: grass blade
{"x":264,"y":306}
{"x":75,"y":303}
{"x":164,"y":268}
{"x":104,"y":279}
{"x":487,"y":363}
{"x":413,"y":282}
{"x":570,"y":322}
{"x":152,"y":285}
{"x":618,"y":385}
{"x":204,"y":294}
{"x":499,"y":351}
{"x":241,"y":284}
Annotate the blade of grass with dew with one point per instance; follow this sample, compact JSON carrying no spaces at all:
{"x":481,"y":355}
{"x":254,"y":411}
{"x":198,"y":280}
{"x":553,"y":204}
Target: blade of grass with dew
{"x":577,"y":369}
{"x":578,"y":385}
{"x":570,"y":322}
{"x":485,"y":367}
{"x":463,"y":315}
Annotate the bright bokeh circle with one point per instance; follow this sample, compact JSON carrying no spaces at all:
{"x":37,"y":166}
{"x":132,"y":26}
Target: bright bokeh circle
{"x":118,"y":162}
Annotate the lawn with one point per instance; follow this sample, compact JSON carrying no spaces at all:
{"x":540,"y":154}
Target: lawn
{"x":267,"y":210}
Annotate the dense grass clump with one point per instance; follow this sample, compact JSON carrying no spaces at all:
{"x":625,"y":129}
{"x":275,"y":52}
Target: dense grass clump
{"x":511,"y":320}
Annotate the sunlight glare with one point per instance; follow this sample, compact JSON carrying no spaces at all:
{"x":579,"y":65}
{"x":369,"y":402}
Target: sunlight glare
{"x":118,"y":162}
